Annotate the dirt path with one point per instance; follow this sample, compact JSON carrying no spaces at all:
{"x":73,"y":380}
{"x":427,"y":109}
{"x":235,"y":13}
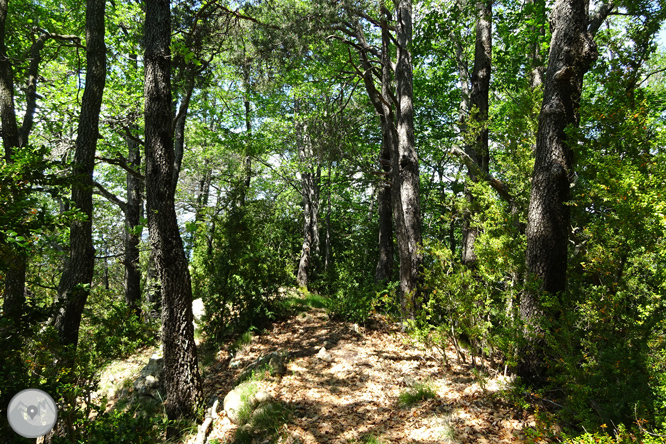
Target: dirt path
{"x":354,"y":393}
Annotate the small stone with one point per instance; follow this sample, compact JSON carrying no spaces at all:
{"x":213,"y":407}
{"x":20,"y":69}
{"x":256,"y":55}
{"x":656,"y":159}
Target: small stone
{"x":409,"y":381}
{"x":324,"y":355}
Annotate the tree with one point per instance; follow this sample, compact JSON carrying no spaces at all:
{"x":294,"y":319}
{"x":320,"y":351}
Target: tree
{"x":476,"y":146}
{"x":183,"y":381}
{"x":405,"y":164}
{"x":572,"y":52}
{"x":77,"y":276}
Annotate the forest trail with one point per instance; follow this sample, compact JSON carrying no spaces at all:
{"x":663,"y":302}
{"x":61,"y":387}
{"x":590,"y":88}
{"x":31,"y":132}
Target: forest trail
{"x":351,"y":393}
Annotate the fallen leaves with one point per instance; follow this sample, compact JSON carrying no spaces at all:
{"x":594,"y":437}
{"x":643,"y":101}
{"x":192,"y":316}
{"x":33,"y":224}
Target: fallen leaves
{"x":354,"y":391}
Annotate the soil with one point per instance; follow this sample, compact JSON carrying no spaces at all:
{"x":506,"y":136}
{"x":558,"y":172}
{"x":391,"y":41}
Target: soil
{"x":354,"y":393}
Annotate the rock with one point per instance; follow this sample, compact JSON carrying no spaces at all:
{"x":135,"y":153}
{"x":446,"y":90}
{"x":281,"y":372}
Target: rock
{"x":274,"y":360}
{"x":262,"y":396}
{"x":409,"y":381}
{"x":151,"y":377}
{"x":324,"y":355}
{"x":277,"y":364}
{"x":232,"y":403}
{"x":152,"y":382}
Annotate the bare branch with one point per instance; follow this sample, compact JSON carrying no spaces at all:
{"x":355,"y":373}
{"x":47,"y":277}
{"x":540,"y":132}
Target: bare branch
{"x":497,"y":185}
{"x":110,"y":196}
{"x":122,"y":163}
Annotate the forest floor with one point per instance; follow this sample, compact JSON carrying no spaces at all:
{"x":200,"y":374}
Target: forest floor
{"x":351,"y":392}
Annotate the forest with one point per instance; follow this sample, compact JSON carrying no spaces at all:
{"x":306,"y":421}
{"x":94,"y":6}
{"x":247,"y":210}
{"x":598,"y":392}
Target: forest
{"x":466,"y":195}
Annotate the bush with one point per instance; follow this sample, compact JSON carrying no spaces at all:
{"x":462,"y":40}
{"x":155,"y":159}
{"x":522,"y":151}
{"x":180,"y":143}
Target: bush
{"x":418,"y":392}
{"x":238,"y":278}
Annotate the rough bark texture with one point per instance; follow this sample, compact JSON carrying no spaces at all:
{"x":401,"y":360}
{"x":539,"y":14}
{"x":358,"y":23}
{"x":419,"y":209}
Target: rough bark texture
{"x":10,"y":133}
{"x":406,"y":168}
{"x":75,"y":282}
{"x":247,"y":162}
{"x":153,"y":286}
{"x":310,"y":178}
{"x":179,"y":131}
{"x":133,"y":212}
{"x":477,"y":149}
{"x":572,"y":51}
{"x":14,"y":282}
{"x":183,"y":382}
{"x":384,"y":268}
{"x":538,"y":30}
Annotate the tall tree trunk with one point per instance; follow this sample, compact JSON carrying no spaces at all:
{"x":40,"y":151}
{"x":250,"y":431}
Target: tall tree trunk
{"x":183,"y":382}
{"x":538,"y":30}
{"x":477,"y":150}
{"x":384,"y":268}
{"x":14,"y":282}
{"x":134,"y":208}
{"x":179,"y":131}
{"x":327,"y":241}
{"x":75,"y":282}
{"x":406,"y":168}
{"x":247,"y":162}
{"x":153,"y":285}
{"x":10,"y":131}
{"x":310,"y":177}
{"x":572,"y":51}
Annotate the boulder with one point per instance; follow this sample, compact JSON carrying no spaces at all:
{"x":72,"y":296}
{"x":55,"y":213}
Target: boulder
{"x":274,"y":360}
{"x":233,"y":402}
{"x":151,"y":378}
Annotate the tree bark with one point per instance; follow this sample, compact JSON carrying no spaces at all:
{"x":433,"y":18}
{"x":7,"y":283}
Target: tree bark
{"x":406,"y":169}
{"x":183,"y":382}
{"x":14,"y":282}
{"x":75,"y":282}
{"x":179,"y":136}
{"x":538,"y":15}
{"x":572,"y":52}
{"x":134,"y":210}
{"x":10,"y":132}
{"x":310,"y":178}
{"x":384,"y":269}
{"x":477,"y":150}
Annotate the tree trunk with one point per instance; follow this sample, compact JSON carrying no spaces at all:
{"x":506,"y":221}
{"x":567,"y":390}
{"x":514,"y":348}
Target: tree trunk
{"x":153,"y":286}
{"x":179,"y":131}
{"x":572,"y":51}
{"x":134,"y":208}
{"x":310,"y":176}
{"x":75,"y":282}
{"x":538,"y":15}
{"x":406,"y":169}
{"x":477,"y":150}
{"x":247,"y":162}
{"x":183,"y":382}
{"x":14,"y":291}
{"x":327,"y":241}
{"x":10,"y":132}
{"x":384,"y":269}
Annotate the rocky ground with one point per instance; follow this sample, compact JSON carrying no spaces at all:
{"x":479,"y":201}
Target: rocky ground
{"x":342,"y":384}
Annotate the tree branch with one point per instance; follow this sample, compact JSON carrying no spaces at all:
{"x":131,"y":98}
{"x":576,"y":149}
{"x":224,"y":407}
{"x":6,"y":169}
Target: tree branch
{"x":110,"y":196}
{"x":497,"y":185}
{"x":597,"y":18}
{"x":122,"y":163}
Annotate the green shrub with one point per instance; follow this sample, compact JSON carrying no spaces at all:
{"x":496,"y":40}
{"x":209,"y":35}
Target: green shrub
{"x":238,"y":278}
{"x":418,"y":392}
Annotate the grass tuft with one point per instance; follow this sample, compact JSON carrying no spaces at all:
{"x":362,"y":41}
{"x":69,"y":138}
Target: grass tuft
{"x":419,"y":392}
